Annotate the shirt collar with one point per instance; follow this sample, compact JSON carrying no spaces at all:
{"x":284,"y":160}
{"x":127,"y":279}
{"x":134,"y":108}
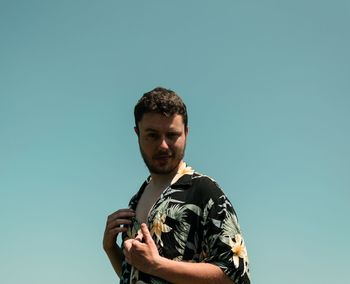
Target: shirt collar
{"x":183,"y":182}
{"x":184,"y":170}
{"x":183,"y":178}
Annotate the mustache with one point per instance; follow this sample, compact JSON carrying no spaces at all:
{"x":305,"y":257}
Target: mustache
{"x":163,"y":155}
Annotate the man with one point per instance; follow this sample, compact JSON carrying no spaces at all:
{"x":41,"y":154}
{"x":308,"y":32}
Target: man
{"x":180,"y":227}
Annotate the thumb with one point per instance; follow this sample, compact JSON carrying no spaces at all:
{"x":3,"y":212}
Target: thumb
{"x":146,"y":234}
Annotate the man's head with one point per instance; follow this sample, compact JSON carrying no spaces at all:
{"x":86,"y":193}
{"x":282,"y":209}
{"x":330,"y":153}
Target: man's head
{"x":162,"y":101}
{"x":161,"y":127}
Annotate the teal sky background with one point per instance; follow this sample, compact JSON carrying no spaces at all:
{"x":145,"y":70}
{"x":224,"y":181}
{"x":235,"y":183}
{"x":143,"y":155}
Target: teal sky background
{"x":267,"y":86}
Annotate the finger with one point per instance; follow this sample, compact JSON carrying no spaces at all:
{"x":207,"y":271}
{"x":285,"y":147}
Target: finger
{"x":139,"y":236}
{"x":127,"y":256}
{"x":137,"y":243}
{"x":128,"y":245}
{"x":118,"y":223}
{"x":117,"y":230}
{"x":138,"y":239}
{"x":146,"y":234}
{"x":122,"y":213}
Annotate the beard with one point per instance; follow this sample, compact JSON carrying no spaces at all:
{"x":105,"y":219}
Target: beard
{"x":174,"y":159}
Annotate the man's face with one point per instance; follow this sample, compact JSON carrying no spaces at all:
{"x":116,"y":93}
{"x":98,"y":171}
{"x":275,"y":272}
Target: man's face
{"x":162,"y":142}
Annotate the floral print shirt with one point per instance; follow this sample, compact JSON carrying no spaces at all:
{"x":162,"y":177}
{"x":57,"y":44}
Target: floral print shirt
{"x":192,"y":221}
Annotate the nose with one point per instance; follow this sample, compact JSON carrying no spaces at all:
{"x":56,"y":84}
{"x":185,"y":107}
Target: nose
{"x":164,"y":143}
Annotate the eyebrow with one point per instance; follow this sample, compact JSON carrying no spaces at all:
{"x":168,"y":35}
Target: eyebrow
{"x":149,"y":129}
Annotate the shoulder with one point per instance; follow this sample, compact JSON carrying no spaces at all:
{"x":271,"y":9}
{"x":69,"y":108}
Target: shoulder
{"x":208,"y":191}
{"x":206,"y":187}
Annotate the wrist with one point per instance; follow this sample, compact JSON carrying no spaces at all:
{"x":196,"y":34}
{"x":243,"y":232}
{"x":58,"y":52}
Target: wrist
{"x":111,"y":249}
{"x":157,"y":269}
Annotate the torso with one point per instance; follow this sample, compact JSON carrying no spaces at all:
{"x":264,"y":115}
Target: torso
{"x":147,"y":200}
{"x":177,"y":225}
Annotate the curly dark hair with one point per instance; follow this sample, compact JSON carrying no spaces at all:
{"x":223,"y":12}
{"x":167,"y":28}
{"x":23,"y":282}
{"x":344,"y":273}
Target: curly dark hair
{"x":160,"y":100}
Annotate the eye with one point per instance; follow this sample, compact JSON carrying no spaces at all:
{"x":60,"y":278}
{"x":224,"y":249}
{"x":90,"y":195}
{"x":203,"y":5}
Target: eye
{"x":152,"y":135}
{"x":173,"y":135}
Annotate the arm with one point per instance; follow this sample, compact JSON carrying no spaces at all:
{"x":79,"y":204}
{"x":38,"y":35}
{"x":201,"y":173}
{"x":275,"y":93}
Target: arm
{"x":186,"y":272}
{"x":113,"y":228}
{"x":145,"y":257}
{"x":115,"y":257}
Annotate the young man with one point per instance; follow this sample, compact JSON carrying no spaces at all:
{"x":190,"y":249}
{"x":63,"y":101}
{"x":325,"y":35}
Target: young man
{"x":180,"y":227}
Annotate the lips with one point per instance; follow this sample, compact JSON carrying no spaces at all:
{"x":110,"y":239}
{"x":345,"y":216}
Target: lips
{"x":162,"y":159}
{"x":162,"y":156}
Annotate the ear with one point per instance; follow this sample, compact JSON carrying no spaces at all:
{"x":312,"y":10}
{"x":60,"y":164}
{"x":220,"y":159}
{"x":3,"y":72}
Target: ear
{"x":137,"y":131}
{"x":186,"y":130}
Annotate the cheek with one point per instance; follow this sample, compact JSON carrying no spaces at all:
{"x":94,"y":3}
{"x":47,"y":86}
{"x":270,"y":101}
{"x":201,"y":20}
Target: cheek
{"x":180,"y":144}
{"x":147,"y":148}
{"x":145,"y":144}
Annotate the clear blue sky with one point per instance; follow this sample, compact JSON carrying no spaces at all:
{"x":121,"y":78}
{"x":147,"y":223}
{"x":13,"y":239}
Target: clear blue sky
{"x":267,"y":85}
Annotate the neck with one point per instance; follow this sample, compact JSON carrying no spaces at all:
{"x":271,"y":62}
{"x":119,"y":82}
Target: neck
{"x":163,"y":180}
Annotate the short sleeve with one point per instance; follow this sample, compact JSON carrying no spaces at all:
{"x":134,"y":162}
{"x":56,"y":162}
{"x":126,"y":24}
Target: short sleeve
{"x":223,"y":243}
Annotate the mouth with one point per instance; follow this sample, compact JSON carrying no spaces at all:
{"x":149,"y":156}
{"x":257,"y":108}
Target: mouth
{"x":163,"y":158}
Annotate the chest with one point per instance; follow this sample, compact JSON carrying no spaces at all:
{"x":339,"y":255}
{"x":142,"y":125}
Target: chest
{"x":146,"y":202}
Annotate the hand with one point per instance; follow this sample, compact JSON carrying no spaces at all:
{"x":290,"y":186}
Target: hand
{"x":142,"y":255}
{"x":113,"y":227}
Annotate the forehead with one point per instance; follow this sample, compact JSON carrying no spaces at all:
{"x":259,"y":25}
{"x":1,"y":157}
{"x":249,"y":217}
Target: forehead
{"x":160,"y":122}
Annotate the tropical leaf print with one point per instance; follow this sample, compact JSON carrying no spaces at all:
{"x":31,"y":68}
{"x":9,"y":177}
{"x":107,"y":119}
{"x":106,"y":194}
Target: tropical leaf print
{"x":192,"y":221}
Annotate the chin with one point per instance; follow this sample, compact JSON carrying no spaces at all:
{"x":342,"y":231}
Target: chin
{"x":163,"y":170}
